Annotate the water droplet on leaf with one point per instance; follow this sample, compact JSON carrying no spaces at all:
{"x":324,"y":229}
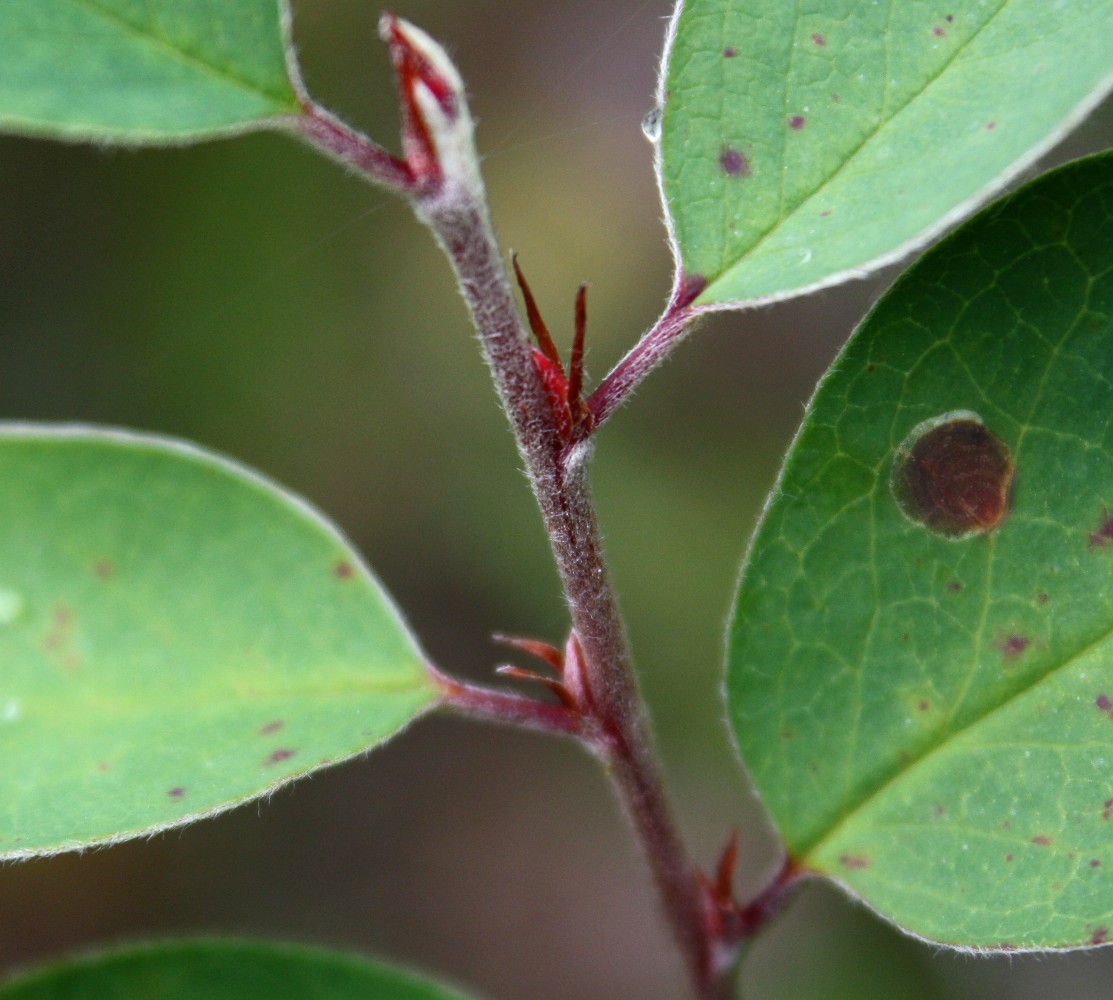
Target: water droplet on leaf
{"x":651,"y":124}
{"x":953,"y":476}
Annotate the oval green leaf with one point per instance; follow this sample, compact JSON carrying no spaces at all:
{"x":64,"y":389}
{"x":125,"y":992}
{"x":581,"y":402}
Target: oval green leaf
{"x":807,"y":143}
{"x":928,"y":713}
{"x":222,"y":970}
{"x":142,"y":70}
{"x":177,"y":635}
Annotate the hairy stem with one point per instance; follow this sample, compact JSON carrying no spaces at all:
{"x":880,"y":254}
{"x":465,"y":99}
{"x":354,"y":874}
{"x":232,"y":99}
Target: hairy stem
{"x":559,"y":481}
{"x":440,"y":174}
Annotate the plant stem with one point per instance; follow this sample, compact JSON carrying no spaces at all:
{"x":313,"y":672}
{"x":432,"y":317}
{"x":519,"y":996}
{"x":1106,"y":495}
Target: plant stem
{"x":654,"y":346}
{"x":353,"y":149}
{"x":559,"y":480}
{"x":440,"y":174}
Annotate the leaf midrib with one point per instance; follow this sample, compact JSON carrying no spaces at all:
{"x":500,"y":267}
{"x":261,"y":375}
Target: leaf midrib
{"x":849,"y":160}
{"x":149,"y":37}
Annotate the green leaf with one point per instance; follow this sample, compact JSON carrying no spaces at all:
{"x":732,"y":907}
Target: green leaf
{"x":222,"y":970}
{"x":928,"y":713}
{"x":177,"y":635}
{"x":142,"y":70}
{"x":805,"y":143}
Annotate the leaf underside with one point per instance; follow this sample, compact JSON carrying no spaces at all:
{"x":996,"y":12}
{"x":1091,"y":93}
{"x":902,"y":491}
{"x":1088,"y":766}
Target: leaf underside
{"x":929,"y":718}
{"x":804,"y":143}
{"x":176,"y":636}
{"x":221,"y":970}
{"x":141,"y":70}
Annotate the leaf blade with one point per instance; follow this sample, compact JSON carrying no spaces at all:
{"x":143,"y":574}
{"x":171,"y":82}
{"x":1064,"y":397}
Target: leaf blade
{"x":179,"y":635}
{"x":927,"y":717}
{"x":801,"y":148}
{"x":125,"y":71}
{"x":222,"y":970}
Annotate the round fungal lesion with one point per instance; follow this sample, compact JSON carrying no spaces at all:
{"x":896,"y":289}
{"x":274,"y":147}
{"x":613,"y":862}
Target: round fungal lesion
{"x":953,"y":476}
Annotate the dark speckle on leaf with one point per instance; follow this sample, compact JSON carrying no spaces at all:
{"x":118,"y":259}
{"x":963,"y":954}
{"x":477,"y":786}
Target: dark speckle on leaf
{"x":279,"y":756}
{"x":1100,"y":935}
{"x":734,"y":163}
{"x":730,"y":52}
{"x":1041,"y":840}
{"x":102,"y":569}
{"x":1102,"y":538}
{"x":938,"y":31}
{"x":1095,"y":863}
{"x":1012,"y":646}
{"x":923,"y":705}
{"x":271,"y":727}
{"x":343,"y":570}
{"x":1107,"y":810}
{"x":855,"y":862}
{"x":950,"y":18}
{"x":819,"y":39}
{"x":990,"y":126}
{"x":796,"y":122}
{"x":1104,"y":704}
{"x":954,"y":586}
{"x":1008,"y":857}
{"x":176,"y":793}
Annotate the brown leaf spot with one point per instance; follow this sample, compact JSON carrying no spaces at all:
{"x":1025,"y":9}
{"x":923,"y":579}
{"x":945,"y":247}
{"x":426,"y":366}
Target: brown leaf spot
{"x":819,"y":39}
{"x":102,"y":569}
{"x":954,"y":586}
{"x":734,"y":163}
{"x":1103,"y":537}
{"x":60,"y":636}
{"x":343,"y":570}
{"x":953,"y":476}
{"x":279,"y":756}
{"x":103,"y":766}
{"x":990,"y":126}
{"x":1008,"y":857}
{"x":1100,"y":935}
{"x":796,"y":122}
{"x":1042,"y":598}
{"x":855,"y":862}
{"x":949,"y":18}
{"x":1011,"y":646}
{"x":1042,"y":840}
{"x":271,"y":727}
{"x":938,"y":32}
{"x":730,"y":52}
{"x":176,"y":793}
{"x":1095,"y":863}
{"x":923,"y":705}
{"x":1107,"y":810}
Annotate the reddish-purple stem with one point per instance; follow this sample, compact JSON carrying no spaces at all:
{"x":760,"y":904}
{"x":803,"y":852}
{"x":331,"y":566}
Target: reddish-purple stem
{"x":612,"y":722}
{"x":498,"y":706}
{"x":328,"y":133}
{"x":654,"y":346}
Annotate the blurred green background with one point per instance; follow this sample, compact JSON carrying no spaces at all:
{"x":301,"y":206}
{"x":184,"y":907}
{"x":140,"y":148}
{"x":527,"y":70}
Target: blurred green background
{"x":250,"y":296}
